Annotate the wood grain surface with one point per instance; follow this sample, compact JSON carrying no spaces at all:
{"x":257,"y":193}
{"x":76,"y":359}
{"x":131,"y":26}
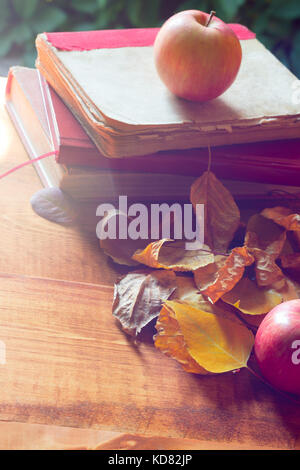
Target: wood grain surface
{"x":69,"y":365}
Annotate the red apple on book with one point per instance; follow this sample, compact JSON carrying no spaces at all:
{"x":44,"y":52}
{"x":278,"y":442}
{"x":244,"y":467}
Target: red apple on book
{"x":197,"y":55}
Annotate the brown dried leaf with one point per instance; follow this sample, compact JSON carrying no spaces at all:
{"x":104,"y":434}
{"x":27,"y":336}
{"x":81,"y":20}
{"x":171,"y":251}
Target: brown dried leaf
{"x":266,"y":270}
{"x":138,"y":298}
{"x":252,"y":320}
{"x":221,"y":214}
{"x":171,"y":254}
{"x":290,"y":290}
{"x":226,"y":275}
{"x":283,"y":216}
{"x":265,"y":234}
{"x":291,"y":261}
{"x":186,"y":290}
{"x":265,"y":240}
{"x":120,"y":250}
{"x":206,"y":276}
{"x":296,"y":236}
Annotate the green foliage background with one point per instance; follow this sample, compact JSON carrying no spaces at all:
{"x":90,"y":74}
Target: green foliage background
{"x":276,"y":22}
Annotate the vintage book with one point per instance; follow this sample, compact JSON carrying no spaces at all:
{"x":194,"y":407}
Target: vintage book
{"x":41,"y":116}
{"x":44,"y":123}
{"x":108,"y":80}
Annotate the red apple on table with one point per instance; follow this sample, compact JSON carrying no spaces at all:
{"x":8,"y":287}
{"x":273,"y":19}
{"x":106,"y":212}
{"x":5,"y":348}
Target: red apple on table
{"x":277,"y":346}
{"x":197,"y":55}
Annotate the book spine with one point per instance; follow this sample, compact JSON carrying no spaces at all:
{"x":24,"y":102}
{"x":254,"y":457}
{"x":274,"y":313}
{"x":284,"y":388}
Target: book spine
{"x":33,"y":136}
{"x":49,"y":113}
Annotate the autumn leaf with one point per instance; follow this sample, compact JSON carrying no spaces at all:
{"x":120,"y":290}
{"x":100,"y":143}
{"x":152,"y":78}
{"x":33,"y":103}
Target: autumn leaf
{"x":252,"y":320}
{"x":120,"y":250}
{"x":251,"y":299}
{"x":225,"y":276}
{"x":221,"y":214}
{"x":170,"y":341}
{"x":283,"y":216}
{"x":296,"y":236}
{"x":291,"y":261}
{"x":171,"y":254}
{"x":265,"y":240}
{"x":217,"y":344}
{"x":207,"y":275}
{"x":265,"y":234}
{"x":187,"y":292}
{"x":266,"y":269}
{"x":290,"y":290}
{"x":288,"y":248}
{"x":138,"y":297}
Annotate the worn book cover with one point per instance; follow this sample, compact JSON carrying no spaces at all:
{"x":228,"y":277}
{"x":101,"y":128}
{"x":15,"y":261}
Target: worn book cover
{"x":105,"y":78}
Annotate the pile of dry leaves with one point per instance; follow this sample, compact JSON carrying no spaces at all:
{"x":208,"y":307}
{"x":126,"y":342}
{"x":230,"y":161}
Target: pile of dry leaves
{"x":209,"y":302}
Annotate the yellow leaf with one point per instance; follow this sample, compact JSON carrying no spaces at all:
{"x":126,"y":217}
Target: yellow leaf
{"x":216,"y":343}
{"x":171,"y":254}
{"x":251,"y":299}
{"x":187,"y":292}
{"x":170,"y":341}
{"x":221,"y":214}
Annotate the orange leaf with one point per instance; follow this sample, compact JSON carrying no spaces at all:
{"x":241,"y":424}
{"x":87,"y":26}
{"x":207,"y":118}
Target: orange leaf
{"x":221,"y":214}
{"x":226,"y":276}
{"x":171,"y":254}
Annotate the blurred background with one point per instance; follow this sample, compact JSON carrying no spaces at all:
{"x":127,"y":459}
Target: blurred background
{"x":276,"y":22}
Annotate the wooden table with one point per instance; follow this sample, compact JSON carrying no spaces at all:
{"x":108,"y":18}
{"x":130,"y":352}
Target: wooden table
{"x":72,"y":378}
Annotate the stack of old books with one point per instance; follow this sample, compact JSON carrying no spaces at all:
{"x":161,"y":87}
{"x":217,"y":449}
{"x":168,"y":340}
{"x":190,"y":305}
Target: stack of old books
{"x":96,"y":100}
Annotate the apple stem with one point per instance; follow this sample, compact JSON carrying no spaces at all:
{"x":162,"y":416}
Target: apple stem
{"x":212,"y":14}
